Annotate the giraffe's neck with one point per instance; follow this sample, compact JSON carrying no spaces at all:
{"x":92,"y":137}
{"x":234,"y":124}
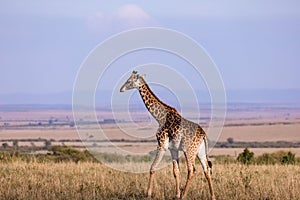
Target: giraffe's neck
{"x":155,"y":106}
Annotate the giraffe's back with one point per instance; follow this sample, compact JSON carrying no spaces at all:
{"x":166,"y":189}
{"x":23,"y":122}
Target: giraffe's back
{"x":182,"y":131}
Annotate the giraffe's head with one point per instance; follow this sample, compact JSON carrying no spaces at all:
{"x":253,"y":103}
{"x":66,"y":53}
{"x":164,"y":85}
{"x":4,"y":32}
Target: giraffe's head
{"x":134,"y":81}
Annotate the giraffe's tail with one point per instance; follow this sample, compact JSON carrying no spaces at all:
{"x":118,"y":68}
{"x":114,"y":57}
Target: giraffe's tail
{"x":210,"y":166}
{"x":206,"y":152}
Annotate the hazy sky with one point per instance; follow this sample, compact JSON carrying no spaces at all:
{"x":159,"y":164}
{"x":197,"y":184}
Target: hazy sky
{"x":255,"y":44}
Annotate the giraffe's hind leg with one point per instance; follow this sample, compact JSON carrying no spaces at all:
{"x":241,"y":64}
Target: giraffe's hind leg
{"x":176,"y":172}
{"x":207,"y":168}
{"x":190,"y":158}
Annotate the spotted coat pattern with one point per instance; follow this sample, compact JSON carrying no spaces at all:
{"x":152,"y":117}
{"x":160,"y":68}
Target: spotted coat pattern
{"x":174,"y":133}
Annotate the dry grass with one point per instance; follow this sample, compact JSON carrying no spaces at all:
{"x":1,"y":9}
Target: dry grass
{"x":21,"y":180}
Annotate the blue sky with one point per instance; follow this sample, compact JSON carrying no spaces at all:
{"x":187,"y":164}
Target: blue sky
{"x":255,"y":44}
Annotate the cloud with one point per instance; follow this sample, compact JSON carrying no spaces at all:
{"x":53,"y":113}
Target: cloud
{"x":132,"y":16}
{"x":125,"y":17}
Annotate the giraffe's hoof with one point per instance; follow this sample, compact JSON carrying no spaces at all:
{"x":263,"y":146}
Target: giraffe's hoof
{"x":149,"y":195}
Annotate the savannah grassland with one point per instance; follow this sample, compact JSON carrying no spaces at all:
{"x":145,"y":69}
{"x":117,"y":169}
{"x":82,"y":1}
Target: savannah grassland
{"x":20,"y":180}
{"x":93,"y":180}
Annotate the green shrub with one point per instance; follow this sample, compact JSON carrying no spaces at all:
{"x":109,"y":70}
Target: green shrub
{"x":278,"y":157}
{"x":66,"y":154}
{"x":266,"y":159}
{"x":12,"y":156}
{"x":289,"y":158}
{"x":246,"y":157}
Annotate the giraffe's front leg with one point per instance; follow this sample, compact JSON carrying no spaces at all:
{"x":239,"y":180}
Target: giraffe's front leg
{"x":159,"y":155}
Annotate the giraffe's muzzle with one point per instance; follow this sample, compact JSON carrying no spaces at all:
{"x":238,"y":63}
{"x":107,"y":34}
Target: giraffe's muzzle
{"x":123,"y":88}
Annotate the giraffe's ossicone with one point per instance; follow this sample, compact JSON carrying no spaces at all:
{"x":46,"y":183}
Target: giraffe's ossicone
{"x":174,"y":133}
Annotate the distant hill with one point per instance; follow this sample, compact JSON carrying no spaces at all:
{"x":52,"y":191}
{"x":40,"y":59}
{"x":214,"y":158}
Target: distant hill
{"x":103,"y":98}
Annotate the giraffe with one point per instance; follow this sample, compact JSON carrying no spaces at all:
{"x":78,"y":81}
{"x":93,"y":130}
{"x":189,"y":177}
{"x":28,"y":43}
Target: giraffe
{"x":174,"y":133}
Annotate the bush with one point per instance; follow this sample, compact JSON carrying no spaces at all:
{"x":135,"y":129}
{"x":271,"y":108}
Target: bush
{"x":246,"y":157}
{"x":67,"y":153}
{"x":266,"y":159}
{"x":289,"y":158}
{"x":279,"y":157}
{"x":230,"y":140}
{"x":7,"y":157}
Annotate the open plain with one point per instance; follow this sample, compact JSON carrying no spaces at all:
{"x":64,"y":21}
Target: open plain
{"x":30,"y":128}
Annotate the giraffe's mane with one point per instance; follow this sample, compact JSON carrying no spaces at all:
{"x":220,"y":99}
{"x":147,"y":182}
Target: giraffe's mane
{"x":154,"y":95}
